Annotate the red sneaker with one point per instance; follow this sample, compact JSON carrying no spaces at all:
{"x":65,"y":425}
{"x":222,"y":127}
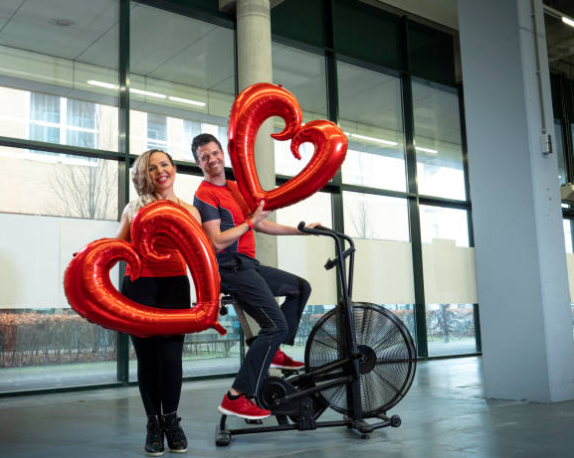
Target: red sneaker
{"x":243,"y":408}
{"x":282,"y":361}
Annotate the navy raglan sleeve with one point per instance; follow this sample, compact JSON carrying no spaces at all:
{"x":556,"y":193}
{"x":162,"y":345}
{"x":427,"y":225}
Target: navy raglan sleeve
{"x":206,"y":205}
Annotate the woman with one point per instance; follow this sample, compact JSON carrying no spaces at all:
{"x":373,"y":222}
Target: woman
{"x":161,"y":285}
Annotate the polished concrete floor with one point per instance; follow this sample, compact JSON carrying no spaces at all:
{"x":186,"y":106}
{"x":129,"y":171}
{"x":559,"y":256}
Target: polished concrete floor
{"x":444,"y":415}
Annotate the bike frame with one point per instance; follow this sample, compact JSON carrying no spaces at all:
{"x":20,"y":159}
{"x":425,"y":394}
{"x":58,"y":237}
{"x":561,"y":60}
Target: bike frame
{"x":345,"y":315}
{"x":348,"y":360}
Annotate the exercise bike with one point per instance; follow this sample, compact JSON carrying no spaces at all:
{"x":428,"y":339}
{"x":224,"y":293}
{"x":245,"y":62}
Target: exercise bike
{"x":360,"y":360}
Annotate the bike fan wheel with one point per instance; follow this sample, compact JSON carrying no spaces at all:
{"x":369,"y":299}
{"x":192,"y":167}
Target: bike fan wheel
{"x":388,"y":357}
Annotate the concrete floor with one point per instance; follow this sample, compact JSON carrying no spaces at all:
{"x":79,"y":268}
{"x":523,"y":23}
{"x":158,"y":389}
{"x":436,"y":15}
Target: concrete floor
{"x":444,"y":415}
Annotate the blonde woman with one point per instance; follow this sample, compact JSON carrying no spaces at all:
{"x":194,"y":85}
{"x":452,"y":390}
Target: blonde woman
{"x":161,"y":285}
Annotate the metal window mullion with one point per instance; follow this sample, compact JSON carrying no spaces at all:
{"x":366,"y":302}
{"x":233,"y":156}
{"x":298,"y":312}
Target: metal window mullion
{"x":464,"y":144}
{"x":567,"y":98}
{"x":333,"y":115}
{"x":123,"y":167}
{"x":412,"y":187}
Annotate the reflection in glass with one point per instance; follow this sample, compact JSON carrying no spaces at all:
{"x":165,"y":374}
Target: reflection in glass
{"x":303,"y":74}
{"x":371,"y":116}
{"x":450,"y":329}
{"x":316,"y":208}
{"x":69,"y":186}
{"x":51,"y":80}
{"x":375,"y":217}
{"x":406,"y":312}
{"x":182,"y":80}
{"x":444,"y":223}
{"x":438,"y":144}
{"x":72,"y":350}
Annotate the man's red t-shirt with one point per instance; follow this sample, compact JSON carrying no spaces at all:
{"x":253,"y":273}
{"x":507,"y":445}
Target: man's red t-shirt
{"x":220,"y":202}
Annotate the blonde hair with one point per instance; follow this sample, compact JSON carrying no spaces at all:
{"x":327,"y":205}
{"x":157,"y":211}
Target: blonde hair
{"x":142,"y":181}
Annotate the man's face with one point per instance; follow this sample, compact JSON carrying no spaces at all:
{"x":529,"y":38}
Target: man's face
{"x":211,"y":160}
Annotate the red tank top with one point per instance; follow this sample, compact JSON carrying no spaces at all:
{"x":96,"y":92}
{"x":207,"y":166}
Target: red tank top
{"x":173,"y":267}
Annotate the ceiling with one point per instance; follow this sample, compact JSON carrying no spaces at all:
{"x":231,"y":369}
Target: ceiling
{"x":168,"y":47}
{"x":559,"y":36}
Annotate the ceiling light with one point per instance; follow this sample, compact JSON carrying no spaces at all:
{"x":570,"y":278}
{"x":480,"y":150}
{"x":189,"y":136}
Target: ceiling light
{"x":373,"y":139}
{"x":62,"y":21}
{"x":188,"y":101}
{"x":426,"y":150}
{"x":102,"y":84}
{"x":568,"y":21}
{"x":149,"y":94}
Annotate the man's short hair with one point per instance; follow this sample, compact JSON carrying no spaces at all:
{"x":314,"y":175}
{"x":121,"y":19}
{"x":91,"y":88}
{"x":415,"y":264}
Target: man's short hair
{"x":200,"y":140}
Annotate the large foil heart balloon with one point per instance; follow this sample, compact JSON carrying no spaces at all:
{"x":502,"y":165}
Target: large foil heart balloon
{"x":91,"y":293}
{"x":250,"y":109}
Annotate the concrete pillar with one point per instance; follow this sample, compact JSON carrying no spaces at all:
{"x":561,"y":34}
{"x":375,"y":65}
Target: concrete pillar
{"x":520,"y":254}
{"x":255,"y":66}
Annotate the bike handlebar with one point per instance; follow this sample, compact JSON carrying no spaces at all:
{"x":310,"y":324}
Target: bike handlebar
{"x":320,"y":230}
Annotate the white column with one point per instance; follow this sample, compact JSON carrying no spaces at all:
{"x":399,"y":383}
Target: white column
{"x":520,"y":254}
{"x":255,"y":66}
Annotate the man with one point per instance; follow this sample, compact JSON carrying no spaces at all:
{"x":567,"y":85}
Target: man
{"x":227,"y":222}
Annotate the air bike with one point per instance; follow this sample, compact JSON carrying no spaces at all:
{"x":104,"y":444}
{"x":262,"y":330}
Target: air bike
{"x":360,"y":360}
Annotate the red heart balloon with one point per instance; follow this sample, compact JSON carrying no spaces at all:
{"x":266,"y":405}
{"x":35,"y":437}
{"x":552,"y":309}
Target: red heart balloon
{"x":91,"y":293}
{"x":251,"y":108}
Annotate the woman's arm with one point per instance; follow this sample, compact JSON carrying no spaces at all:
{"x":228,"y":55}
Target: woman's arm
{"x":192,"y":210}
{"x":123,"y":231}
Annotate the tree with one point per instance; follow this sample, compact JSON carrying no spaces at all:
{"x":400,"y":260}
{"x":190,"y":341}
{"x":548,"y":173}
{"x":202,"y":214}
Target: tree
{"x":87,"y":191}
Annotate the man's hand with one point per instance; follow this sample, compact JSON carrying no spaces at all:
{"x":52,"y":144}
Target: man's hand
{"x":259,"y":214}
{"x":309,"y":226}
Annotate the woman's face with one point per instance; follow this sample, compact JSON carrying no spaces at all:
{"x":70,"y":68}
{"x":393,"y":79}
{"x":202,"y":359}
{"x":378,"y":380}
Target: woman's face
{"x":161,"y":171}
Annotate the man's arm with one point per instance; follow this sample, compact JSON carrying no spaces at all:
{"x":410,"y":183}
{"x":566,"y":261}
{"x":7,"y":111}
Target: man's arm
{"x":222,"y":240}
{"x":269,"y":227}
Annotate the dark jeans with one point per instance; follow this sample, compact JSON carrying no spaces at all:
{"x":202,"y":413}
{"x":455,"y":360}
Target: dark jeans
{"x":255,"y":287}
{"x":159,"y":358}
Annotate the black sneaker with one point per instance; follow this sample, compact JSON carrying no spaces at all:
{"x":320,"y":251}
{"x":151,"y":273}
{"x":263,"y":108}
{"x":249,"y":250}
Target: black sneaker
{"x":154,"y":437}
{"x":175,"y":436}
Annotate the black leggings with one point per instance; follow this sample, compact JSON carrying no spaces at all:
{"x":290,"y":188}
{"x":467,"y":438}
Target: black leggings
{"x":159,"y":358}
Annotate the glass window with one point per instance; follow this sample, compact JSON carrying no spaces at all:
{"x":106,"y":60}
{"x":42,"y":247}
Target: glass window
{"x":438,"y":144}
{"x":54,"y":210}
{"x":303,"y":74}
{"x":375,"y":217}
{"x":559,"y":145}
{"x":311,"y":255}
{"x":60,"y":83}
{"x":444,"y":223}
{"x":568,"y":235}
{"x":370,"y":114}
{"x":73,"y":188}
{"x":182,"y":80}
{"x":450,"y":329}
{"x":44,"y":118}
{"x":81,"y":124}
{"x":156,"y":131}
{"x":448,"y":273}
